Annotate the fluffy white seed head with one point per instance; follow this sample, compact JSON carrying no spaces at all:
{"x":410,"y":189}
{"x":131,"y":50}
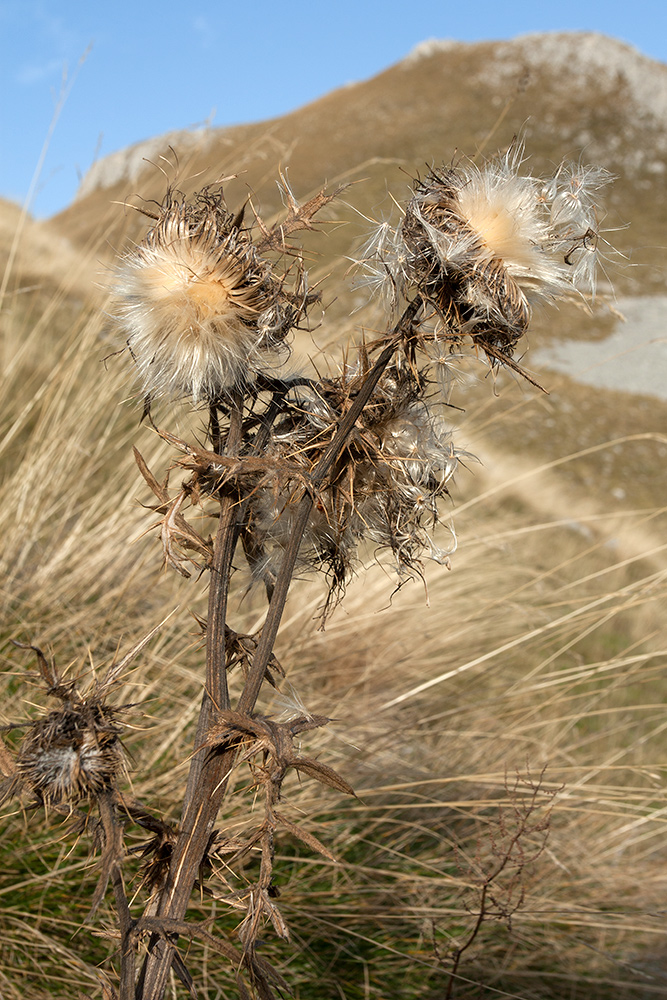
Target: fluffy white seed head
{"x":496,"y":217}
{"x":502,"y":210}
{"x":482,"y":244}
{"x":201,"y":311}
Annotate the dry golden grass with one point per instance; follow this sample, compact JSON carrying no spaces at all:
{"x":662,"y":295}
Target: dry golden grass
{"x":544,"y":647}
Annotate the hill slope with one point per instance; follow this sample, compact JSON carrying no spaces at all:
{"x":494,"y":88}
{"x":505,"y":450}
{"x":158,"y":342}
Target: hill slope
{"x":570,"y":95}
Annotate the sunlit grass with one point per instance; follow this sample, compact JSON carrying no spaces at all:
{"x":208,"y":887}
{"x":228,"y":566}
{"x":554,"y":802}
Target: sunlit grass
{"x":545,"y":646}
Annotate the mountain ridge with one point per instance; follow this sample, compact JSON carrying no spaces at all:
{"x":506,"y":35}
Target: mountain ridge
{"x":579,"y":96}
{"x":582,"y":59}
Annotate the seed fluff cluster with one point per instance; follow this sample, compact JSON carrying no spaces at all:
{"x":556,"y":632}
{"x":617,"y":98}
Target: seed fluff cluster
{"x":202,"y":308}
{"x":483,"y":244}
{"x":384,"y":489}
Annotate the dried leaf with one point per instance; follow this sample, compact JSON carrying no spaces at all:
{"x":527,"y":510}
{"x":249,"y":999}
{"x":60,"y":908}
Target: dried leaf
{"x":323,"y":773}
{"x":175,"y":529}
{"x":305,"y":722}
{"x":181,"y":971}
{"x":298,"y":217}
{"x":46,"y":668}
{"x":9,"y":787}
{"x":203,"y":460}
{"x":160,"y":490}
{"x":244,"y":992}
{"x":166,"y":926}
{"x":275,"y":916}
{"x":308,"y":838}
{"x":7,"y":765}
{"x":108,"y":992}
{"x":265,"y":975}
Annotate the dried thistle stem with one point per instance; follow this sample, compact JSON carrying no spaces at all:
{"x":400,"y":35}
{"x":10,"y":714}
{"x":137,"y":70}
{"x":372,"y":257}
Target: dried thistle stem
{"x":276,"y":607}
{"x":208,"y":777}
{"x":206,"y":782}
{"x":216,"y":693}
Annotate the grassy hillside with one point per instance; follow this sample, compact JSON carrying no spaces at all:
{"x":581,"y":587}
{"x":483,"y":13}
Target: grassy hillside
{"x":573,"y":96}
{"x":570,"y":96}
{"x":544,"y":647}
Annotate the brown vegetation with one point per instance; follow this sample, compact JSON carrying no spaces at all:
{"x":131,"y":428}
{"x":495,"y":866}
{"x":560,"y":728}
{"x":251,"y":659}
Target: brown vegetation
{"x":543,"y":649}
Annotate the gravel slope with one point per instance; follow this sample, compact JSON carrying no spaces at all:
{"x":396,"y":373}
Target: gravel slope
{"x":633,"y":359}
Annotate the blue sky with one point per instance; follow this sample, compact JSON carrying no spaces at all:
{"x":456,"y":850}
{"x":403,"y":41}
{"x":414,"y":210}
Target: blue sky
{"x":135,"y":70}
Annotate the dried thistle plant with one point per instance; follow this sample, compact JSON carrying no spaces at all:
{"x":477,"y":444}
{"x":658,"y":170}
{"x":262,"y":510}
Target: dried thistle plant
{"x":303,"y":473}
{"x":74,"y":752}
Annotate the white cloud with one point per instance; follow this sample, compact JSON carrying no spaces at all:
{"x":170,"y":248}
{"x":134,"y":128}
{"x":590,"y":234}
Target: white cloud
{"x":31,"y":73}
{"x":205,"y":32}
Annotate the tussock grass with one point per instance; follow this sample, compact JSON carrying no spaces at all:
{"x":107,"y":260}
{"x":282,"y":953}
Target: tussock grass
{"x":545,"y":647}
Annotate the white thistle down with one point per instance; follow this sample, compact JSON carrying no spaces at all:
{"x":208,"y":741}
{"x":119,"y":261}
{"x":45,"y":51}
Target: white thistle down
{"x":202,"y":312}
{"x":483,"y":244}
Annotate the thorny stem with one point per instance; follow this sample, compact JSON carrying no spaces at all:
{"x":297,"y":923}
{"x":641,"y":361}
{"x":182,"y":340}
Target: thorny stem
{"x":206,"y":780}
{"x":113,"y":846}
{"x":208,"y":777}
{"x":216,"y":693}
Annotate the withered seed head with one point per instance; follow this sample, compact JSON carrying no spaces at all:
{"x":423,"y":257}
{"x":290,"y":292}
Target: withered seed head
{"x":482,"y":244}
{"x":386,"y":485}
{"x":71,"y":754}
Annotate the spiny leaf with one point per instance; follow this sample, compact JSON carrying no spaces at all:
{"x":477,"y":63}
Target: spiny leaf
{"x":323,"y":773}
{"x":308,"y":838}
{"x":160,"y":490}
{"x":47,"y":669}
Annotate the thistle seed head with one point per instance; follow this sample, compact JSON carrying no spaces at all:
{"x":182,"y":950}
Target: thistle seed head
{"x":386,"y":486}
{"x":202,"y":311}
{"x":71,"y":754}
{"x":482,"y":244}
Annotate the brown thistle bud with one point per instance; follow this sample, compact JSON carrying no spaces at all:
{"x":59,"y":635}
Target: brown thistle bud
{"x":201,"y":309}
{"x":76,"y":751}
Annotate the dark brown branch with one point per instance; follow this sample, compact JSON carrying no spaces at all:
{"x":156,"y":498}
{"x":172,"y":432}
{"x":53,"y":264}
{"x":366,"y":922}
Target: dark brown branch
{"x":205,"y":785}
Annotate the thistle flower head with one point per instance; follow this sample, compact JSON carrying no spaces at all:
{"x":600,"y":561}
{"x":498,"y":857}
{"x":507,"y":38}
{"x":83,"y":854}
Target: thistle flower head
{"x":385,"y":488}
{"x":201,"y":309}
{"x":74,"y":752}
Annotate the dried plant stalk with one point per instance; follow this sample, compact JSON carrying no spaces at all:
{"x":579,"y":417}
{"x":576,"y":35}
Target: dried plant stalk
{"x":301,"y":471}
